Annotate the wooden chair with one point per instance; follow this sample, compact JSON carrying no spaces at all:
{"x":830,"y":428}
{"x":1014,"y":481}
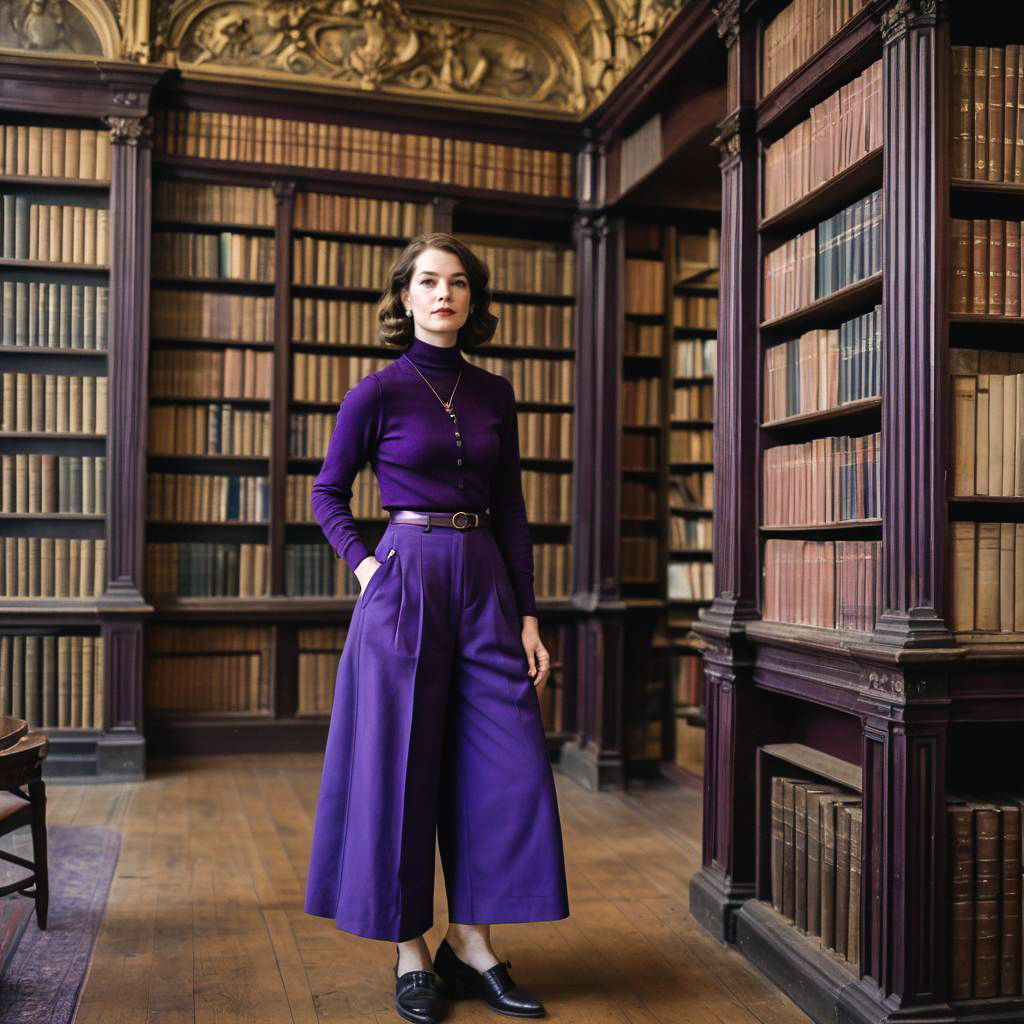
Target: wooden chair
{"x":21,"y":765}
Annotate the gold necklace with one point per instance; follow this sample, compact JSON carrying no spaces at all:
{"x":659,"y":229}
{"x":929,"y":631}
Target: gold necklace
{"x":447,"y":405}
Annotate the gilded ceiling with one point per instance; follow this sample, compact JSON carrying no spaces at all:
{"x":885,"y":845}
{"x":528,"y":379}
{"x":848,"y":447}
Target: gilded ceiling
{"x":530,"y":56}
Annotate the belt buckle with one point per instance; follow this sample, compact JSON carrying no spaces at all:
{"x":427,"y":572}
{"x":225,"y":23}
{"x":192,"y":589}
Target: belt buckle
{"x":464,"y":525}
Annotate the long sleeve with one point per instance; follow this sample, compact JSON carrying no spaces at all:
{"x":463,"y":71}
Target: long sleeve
{"x":355,"y":436}
{"x":508,"y":510}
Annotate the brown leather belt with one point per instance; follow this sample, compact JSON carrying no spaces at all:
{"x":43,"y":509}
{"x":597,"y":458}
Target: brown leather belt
{"x":451,"y":520}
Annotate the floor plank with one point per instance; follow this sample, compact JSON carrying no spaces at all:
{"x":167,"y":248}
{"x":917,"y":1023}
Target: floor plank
{"x":205,"y":923}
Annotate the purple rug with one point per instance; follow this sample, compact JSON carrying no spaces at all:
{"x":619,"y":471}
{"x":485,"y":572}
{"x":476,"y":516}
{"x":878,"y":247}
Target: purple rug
{"x":43,"y":978}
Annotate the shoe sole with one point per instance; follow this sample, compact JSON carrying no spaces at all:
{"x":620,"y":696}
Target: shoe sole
{"x":457,"y":990}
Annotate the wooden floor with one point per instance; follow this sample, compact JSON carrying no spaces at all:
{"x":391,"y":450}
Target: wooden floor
{"x":205,"y":920}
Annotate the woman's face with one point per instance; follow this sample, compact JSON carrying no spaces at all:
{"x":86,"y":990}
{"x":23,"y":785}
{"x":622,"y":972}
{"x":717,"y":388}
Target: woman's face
{"x":438,"y":295}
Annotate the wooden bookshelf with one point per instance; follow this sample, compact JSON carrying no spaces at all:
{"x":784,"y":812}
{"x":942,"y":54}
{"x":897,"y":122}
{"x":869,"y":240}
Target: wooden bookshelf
{"x":856,"y":707}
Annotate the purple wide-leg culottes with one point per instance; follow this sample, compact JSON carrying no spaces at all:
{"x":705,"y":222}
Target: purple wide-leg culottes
{"x":435,"y":729}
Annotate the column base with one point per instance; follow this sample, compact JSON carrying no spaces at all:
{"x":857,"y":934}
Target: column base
{"x":590,"y":769}
{"x":715,"y":901}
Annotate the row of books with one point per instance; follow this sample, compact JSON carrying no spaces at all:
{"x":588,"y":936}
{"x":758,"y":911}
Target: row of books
{"x":639,"y":559}
{"x":53,"y":681}
{"x":41,"y":151}
{"x":840,"y":251}
{"x":362,"y":215}
{"x":182,"y":313}
{"x":987,"y":130}
{"x":545,"y":435}
{"x":207,"y":569}
{"x":226,"y":254}
{"x":207,"y":498}
{"x":697,"y":254}
{"x":317,"y":675}
{"x":313,"y":570}
{"x":689,"y":534}
{"x":641,"y":401}
{"x":827,"y":480}
{"x":691,"y":490}
{"x":986,"y":258}
{"x":692,"y":402}
{"x":640,"y":451}
{"x":327,"y":263}
{"x":208,"y":668}
{"x":43,"y":484}
{"x":690,"y":445}
{"x":309,"y":433}
{"x":824,"y":368}
{"x":645,"y":287}
{"x":988,"y":434}
{"x":533,"y":380}
{"x":207,"y":203}
{"x":638,"y":500}
{"x":61,"y":403}
{"x":54,"y":232}
{"x":216,"y":135}
{"x":337,"y":322}
{"x":843,"y":129}
{"x":691,"y":581}
{"x":686,"y":680}
{"x":209,"y":429}
{"x":696,"y":311}
{"x":218,"y":684}
{"x":365,"y":502}
{"x":798,"y":32}
{"x":987,"y":577}
{"x":985,"y":855}
{"x":832,"y":584}
{"x":72,"y":567}
{"x":543,"y":268}
{"x":552,"y":562}
{"x":48,"y":314}
{"x":816,"y":842}
{"x":693,"y":357}
{"x":223,"y":373}
{"x":643,"y":339}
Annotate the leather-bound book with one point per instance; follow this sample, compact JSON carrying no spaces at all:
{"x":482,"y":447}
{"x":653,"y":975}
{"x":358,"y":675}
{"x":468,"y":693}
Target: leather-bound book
{"x":853,"y":914}
{"x":960,"y":817}
{"x":987,"y":892}
{"x":1010,"y":917}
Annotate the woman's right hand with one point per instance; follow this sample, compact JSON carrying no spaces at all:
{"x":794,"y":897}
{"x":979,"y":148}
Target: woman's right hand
{"x":366,"y":568}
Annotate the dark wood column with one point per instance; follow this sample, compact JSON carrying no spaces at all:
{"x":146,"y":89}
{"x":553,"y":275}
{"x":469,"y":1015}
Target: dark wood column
{"x":726,"y":878}
{"x":915,"y":384}
{"x":594,"y":758}
{"x":122,"y":607}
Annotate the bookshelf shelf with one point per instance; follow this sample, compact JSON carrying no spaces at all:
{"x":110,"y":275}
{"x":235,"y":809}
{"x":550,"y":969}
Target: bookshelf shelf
{"x":217,"y":283}
{"x":694,"y":332}
{"x":211,"y":343}
{"x":839,"y":414}
{"x":41,"y":350}
{"x":856,"y":181}
{"x":40,"y":182}
{"x":832,"y":309}
{"x":210,"y":226}
{"x":849,"y":526}
{"x":53,"y":516}
{"x":68,"y":268}
{"x":50,"y":435}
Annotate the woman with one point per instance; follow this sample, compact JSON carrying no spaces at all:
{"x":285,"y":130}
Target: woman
{"x":436,"y":724}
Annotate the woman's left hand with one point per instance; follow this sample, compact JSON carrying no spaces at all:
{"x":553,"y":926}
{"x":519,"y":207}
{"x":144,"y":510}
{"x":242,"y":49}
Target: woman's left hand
{"x":537,"y":656}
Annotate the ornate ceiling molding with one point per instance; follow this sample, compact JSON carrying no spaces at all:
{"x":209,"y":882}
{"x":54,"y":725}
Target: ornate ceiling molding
{"x":73,"y":28}
{"x":538,"y":56}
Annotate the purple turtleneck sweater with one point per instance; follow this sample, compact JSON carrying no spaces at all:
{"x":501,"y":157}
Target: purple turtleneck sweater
{"x":394,"y":421}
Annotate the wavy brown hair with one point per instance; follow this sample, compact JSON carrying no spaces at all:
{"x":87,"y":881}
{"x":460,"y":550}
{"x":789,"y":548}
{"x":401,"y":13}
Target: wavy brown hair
{"x":397,"y":329}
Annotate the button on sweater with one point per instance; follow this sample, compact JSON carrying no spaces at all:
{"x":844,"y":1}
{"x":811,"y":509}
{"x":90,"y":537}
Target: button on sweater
{"x":424,"y":461}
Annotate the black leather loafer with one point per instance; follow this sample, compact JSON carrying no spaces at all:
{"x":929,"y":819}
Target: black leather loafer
{"x":494,"y":985}
{"x":416,"y":996}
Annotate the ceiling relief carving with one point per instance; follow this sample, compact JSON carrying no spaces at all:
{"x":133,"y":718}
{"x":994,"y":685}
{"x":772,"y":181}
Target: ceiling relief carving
{"x":71,"y":27}
{"x":538,"y":56}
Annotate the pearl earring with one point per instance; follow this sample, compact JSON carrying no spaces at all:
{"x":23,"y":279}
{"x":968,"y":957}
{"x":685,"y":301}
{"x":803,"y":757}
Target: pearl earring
{"x":408,"y":312}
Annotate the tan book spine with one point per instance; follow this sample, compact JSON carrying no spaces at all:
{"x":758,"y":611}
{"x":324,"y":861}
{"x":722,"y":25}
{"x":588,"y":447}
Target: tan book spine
{"x":962,"y":584}
{"x":982,"y":447}
{"x":987,"y":585}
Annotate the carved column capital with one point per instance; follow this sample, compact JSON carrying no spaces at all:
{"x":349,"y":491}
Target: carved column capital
{"x":283,"y":189}
{"x":131,"y":131}
{"x":897,"y":17}
{"x":735,"y":135}
{"x":727,"y":14}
